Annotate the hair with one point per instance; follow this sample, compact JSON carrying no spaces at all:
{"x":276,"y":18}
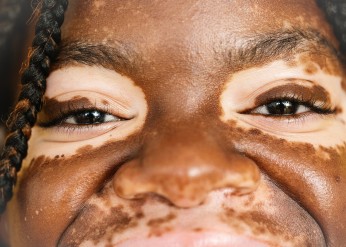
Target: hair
{"x":43,"y":52}
{"x":335,"y":11}
{"x":22,"y":119}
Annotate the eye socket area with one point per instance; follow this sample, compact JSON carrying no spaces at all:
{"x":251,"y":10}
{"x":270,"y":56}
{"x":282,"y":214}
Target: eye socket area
{"x":284,"y":106}
{"x":82,"y":115}
{"x":86,"y":102}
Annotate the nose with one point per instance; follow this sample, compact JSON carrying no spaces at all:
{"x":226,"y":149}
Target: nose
{"x":184,"y":169}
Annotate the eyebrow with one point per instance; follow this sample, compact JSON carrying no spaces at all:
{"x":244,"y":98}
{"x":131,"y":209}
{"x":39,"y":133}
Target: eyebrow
{"x":265,"y":48}
{"x":252,"y":51}
{"x":118,"y":57}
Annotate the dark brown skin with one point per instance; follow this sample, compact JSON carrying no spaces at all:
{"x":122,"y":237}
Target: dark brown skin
{"x":188,"y":162}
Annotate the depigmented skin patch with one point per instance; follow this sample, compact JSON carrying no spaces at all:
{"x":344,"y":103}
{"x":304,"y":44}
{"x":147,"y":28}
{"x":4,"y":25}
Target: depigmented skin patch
{"x":118,"y":219}
{"x":76,"y":189}
{"x":309,"y":169}
{"x":277,"y":171}
{"x":182,"y":72}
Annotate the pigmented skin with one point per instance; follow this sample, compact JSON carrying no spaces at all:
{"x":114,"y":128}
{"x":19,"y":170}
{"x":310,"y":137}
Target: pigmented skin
{"x":280,"y":191}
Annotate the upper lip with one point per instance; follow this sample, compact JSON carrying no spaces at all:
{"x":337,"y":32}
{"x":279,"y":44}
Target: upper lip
{"x":184,"y":228}
{"x":195,"y":239}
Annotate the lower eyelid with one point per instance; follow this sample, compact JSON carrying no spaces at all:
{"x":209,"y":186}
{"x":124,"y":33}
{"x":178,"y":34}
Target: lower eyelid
{"x":303,"y":123}
{"x":91,"y":129}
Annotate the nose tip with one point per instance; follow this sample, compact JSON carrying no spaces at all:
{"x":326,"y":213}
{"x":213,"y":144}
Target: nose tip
{"x":186,"y":179}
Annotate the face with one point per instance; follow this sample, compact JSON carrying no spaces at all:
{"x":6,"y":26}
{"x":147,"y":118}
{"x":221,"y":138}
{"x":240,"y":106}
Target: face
{"x":188,"y":123}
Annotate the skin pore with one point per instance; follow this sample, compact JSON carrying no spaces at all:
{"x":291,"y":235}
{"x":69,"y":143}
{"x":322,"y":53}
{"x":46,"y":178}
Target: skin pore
{"x":183,"y":145}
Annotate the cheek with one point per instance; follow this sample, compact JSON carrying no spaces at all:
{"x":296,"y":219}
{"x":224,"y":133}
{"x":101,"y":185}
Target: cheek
{"x":269,"y":212}
{"x":104,"y":214}
{"x":55,"y":189}
{"x":314,"y":177}
{"x":51,"y":190}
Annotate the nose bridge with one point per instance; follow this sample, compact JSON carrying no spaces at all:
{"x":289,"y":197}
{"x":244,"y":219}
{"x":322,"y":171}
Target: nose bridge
{"x":183,"y":147}
{"x":183,"y":164}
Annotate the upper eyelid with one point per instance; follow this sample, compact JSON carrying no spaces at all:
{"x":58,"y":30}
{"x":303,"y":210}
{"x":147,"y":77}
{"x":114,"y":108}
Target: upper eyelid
{"x":54,"y":110}
{"x":302,"y":93}
{"x":88,"y":100}
{"x":63,"y":115}
{"x":311,"y":95}
{"x":322,"y":108}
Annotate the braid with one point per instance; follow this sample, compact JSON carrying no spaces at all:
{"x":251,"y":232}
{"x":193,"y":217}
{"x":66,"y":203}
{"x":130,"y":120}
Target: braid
{"x":44,"y":49}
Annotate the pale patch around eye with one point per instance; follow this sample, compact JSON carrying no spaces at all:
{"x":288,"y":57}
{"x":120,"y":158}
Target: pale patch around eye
{"x":315,"y":99}
{"x":96,"y":102}
{"x":78,"y":118}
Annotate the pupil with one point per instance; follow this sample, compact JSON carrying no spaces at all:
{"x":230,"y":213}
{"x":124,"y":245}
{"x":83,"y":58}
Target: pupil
{"x":282,"y":108}
{"x":90,"y":117}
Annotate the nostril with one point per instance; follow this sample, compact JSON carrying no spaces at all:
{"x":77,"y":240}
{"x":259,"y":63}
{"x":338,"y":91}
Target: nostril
{"x":129,"y":183}
{"x":242,"y":176}
{"x":186,"y":184}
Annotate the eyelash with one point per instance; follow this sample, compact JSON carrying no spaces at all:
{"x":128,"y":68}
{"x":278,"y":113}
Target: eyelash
{"x":58,"y":118}
{"x":317,"y":106}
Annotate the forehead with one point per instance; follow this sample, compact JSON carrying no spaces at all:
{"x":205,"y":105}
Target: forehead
{"x":180,"y":46}
{"x":194,"y":20}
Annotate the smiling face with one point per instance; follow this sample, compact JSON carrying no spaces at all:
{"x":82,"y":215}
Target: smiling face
{"x":188,"y":122}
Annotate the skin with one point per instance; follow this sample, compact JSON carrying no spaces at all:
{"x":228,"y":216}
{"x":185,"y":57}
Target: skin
{"x":191,"y":150}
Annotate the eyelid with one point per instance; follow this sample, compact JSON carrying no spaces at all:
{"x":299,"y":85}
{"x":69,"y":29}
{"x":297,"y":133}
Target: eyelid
{"x":315,"y":92}
{"x":57,"y":108}
{"x":53,"y":130}
{"x":313,"y":96}
{"x":289,"y":125}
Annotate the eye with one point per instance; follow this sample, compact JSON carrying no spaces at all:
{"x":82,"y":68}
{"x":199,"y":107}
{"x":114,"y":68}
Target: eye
{"x":287,"y":106}
{"x":89,"y":117}
{"x":282,"y":108}
{"x":80,"y":122}
{"x":291,"y":106}
{"x":290,"y":114}
{"x":79,"y":118}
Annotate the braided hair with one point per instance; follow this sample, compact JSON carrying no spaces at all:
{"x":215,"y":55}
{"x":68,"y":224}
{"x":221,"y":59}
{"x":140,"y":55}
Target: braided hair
{"x":44,"y":51}
{"x":22,"y":119}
